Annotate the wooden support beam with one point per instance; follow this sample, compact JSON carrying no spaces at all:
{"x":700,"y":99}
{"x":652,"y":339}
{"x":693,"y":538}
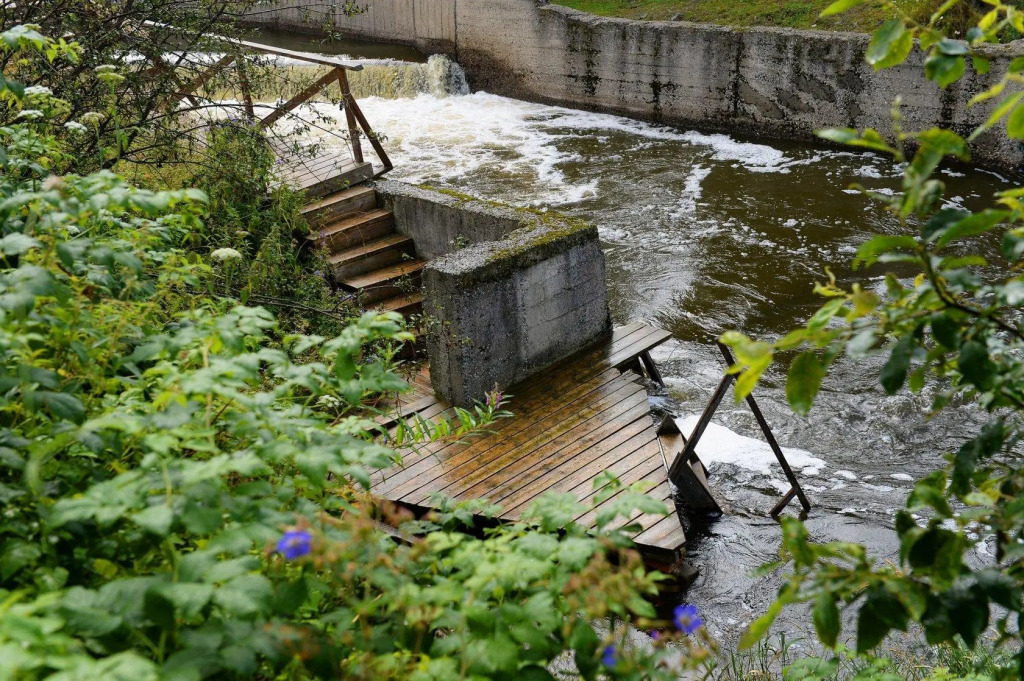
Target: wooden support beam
{"x":300,"y":99}
{"x":187,"y":91}
{"x":370,"y":135}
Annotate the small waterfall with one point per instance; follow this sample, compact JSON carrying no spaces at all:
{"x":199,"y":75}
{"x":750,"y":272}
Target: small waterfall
{"x":440,"y":77}
{"x":387,"y":79}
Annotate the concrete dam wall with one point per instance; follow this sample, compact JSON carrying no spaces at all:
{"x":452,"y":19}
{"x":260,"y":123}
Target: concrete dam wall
{"x":770,"y":82}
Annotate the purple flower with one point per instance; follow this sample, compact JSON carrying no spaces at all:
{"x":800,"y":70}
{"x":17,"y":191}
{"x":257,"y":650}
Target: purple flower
{"x":295,"y":544}
{"x":609,"y":656}
{"x":655,"y":635}
{"x":687,"y":619}
{"x":494,"y":399}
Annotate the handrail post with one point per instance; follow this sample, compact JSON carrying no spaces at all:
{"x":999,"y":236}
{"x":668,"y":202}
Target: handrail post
{"x":348,"y":103}
{"x":243,"y":79}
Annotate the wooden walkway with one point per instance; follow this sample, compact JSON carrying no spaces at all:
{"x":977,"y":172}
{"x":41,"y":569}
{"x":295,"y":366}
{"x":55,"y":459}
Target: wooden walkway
{"x":583,"y":416}
{"x":319,"y":176}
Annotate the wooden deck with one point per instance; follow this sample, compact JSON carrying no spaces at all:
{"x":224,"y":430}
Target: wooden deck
{"x":325,"y":174}
{"x":586,"y":415}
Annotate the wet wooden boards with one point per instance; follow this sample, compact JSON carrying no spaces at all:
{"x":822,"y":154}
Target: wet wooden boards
{"x":585,"y":415}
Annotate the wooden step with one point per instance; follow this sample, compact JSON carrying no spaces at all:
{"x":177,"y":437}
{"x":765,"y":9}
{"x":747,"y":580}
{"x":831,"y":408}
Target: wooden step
{"x":387,"y":250}
{"x":406,"y":304}
{"x":357,"y":230}
{"x":342,"y":204}
{"x":388,"y":282}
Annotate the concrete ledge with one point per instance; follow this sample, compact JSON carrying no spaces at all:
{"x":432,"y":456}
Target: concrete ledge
{"x":442,"y":221}
{"x":528,"y":290}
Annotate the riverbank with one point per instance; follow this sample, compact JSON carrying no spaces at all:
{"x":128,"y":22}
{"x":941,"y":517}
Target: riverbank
{"x":802,"y":14}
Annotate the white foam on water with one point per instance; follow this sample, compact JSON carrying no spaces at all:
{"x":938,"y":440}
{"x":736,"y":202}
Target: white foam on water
{"x":903,"y":477}
{"x":444,"y":139}
{"x":691,"y":193}
{"x":721,"y":445}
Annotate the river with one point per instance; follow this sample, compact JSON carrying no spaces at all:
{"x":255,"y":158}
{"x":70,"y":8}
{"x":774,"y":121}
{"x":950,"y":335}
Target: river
{"x":704,"y":233}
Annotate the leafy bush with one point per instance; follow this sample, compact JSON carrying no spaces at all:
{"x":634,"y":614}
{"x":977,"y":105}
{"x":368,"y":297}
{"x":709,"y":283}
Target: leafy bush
{"x":183,"y":478}
{"x":955,"y":326}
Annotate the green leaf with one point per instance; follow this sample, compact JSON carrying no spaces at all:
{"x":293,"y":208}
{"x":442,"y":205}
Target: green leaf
{"x":18,"y":243}
{"x":155,"y":519}
{"x":946,"y":331}
{"x":975,"y":365}
{"x":943,"y":69}
{"x":894,"y":373}
{"x":930,"y":492}
{"x":941,"y":221}
{"x":840,"y":6}
{"x":880,"y":614}
{"x":870,"y":250}
{"x":804,"y":381}
{"x":850,"y":137}
{"x":64,"y":406}
{"x":759,"y":627}
{"x":584,"y":643}
{"x":972,"y":225}
{"x":826,"y":619}
{"x":1015,"y":123}
{"x":890,"y":44}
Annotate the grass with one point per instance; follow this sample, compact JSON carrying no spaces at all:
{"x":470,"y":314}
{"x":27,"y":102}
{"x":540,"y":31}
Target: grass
{"x":786,"y":13}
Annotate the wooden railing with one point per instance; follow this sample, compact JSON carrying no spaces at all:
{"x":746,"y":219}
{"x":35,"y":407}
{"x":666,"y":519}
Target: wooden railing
{"x":356,"y":122}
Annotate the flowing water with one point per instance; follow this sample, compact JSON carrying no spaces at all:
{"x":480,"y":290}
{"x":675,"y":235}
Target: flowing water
{"x":703,"y":233}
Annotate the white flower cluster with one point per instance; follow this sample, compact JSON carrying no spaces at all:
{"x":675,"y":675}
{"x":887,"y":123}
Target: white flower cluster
{"x":226,"y":254}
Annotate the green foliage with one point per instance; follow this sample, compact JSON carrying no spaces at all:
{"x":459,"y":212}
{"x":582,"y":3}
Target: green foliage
{"x":183,"y":478}
{"x":953,"y":323}
{"x":805,"y":14}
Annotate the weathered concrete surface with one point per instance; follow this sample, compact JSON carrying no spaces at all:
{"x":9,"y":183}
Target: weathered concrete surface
{"x":507,"y":293}
{"x":769,"y":82}
{"x":441,"y":222}
{"x":508,"y":309}
{"x":428,"y":25}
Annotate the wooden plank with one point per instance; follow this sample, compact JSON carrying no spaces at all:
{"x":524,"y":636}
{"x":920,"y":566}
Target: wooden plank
{"x":548,"y":424}
{"x":625,"y":354}
{"x":662,"y":492}
{"x":583,"y":437}
{"x":666,"y":533}
{"x":641,"y":465}
{"x":269,"y":49}
{"x":622,"y":456}
{"x":301,"y":98}
{"x":555,"y":470}
{"x":504,"y":429}
{"x":453,"y":479}
{"x":546,"y":392}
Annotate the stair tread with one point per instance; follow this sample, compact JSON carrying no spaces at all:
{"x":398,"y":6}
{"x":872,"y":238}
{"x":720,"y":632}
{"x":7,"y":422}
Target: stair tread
{"x":337,"y":197}
{"x":384,"y":274}
{"x":377,"y":245}
{"x":354,"y":221}
{"x":398,"y":302}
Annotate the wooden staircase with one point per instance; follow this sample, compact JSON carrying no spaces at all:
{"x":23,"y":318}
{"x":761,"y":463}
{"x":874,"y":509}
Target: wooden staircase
{"x":367,"y":255}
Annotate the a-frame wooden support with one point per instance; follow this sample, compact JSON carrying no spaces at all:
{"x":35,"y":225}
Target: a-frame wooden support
{"x":681,"y":471}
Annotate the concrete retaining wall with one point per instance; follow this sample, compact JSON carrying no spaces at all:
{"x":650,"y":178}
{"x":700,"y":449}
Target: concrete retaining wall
{"x":529,"y":290}
{"x":442,"y":222}
{"x":769,"y":82}
{"x":428,"y":25}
